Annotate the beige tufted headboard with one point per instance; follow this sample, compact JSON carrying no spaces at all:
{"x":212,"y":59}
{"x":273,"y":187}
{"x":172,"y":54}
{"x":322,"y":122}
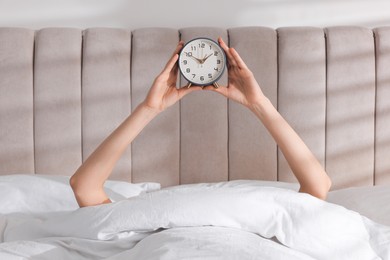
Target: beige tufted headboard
{"x":63,"y":90}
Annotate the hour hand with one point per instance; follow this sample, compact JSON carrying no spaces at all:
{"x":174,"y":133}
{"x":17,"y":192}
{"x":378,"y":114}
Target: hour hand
{"x":198,"y":60}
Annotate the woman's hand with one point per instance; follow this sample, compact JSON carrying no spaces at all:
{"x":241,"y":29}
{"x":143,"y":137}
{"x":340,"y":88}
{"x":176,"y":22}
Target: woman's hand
{"x":163,"y":92}
{"x":242,"y":86}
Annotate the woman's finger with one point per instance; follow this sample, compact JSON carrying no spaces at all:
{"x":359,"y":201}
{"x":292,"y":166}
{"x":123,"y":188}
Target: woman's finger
{"x":241,"y":64}
{"x":231,"y":60}
{"x":178,"y":47}
{"x":172,"y":61}
{"x":221,"y":89}
{"x":185,"y":90}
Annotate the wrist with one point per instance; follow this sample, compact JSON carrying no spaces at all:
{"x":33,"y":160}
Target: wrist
{"x":258,"y":104}
{"x":150,"y":111}
{"x":262,"y":107}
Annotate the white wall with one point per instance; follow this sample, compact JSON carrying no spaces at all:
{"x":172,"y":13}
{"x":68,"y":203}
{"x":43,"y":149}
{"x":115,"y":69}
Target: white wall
{"x":184,"y":13}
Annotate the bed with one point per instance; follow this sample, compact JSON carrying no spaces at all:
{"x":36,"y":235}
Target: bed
{"x":204,"y":180}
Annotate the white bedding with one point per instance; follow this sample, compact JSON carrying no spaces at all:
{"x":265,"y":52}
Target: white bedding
{"x":236,"y":220}
{"x":209,"y":242}
{"x":35,"y":193}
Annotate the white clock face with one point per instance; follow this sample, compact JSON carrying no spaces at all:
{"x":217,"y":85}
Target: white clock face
{"x":202,"y":61}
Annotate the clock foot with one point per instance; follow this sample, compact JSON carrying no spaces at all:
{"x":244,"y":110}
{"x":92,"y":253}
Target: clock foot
{"x":189,"y":84}
{"x":216,"y":85}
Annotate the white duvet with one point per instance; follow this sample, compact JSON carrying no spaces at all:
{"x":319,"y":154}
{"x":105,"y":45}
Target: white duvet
{"x":200,"y":222}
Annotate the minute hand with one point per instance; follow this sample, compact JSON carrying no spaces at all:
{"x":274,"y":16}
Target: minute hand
{"x":205,"y":58}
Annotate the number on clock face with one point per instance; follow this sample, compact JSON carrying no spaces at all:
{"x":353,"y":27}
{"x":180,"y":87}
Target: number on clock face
{"x":202,"y":61}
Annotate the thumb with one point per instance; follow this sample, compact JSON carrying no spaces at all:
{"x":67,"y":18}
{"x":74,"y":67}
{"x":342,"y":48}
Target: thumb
{"x":185,"y":90}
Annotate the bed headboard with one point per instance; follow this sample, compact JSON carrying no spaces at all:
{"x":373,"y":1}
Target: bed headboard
{"x":63,"y":90}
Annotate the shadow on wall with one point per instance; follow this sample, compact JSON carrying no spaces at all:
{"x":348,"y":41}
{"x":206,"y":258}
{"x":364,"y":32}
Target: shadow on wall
{"x":178,"y":13}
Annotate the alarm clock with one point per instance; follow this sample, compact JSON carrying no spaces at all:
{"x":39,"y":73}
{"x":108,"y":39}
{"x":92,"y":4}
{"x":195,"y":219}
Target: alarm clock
{"x":202,"y":62}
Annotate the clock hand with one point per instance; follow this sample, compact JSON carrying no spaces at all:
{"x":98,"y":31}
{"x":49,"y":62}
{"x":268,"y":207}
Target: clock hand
{"x":201,"y":52}
{"x":205,"y":58}
{"x":198,"y":60}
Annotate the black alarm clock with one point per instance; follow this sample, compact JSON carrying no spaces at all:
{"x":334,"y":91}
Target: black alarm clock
{"x":202,"y":62}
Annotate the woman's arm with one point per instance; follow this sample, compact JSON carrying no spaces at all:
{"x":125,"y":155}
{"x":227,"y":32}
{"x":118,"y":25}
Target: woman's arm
{"x":87,"y":182}
{"x":305,"y":166}
{"x":243,"y":88}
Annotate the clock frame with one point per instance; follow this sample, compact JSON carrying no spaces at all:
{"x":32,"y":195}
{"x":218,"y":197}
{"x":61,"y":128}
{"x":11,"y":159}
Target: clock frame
{"x":202,"y":62}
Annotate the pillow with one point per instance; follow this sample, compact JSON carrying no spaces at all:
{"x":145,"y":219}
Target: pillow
{"x":237,"y":183}
{"x":35,"y":193}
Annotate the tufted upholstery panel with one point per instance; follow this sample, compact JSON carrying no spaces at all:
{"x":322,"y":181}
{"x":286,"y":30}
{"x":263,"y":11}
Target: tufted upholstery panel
{"x":105,"y":90}
{"x":250,"y":144}
{"x":204,"y":126}
{"x":382,"y":133}
{"x":350,"y":105}
{"x":57,"y":100}
{"x":302,"y":89}
{"x":156,"y":150}
{"x":16,"y":100}
{"x":63,"y":90}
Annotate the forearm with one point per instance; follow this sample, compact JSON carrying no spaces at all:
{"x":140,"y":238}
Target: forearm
{"x":307,"y":169}
{"x":98,"y":166}
{"x":244,"y":89}
{"x":102,"y":161}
